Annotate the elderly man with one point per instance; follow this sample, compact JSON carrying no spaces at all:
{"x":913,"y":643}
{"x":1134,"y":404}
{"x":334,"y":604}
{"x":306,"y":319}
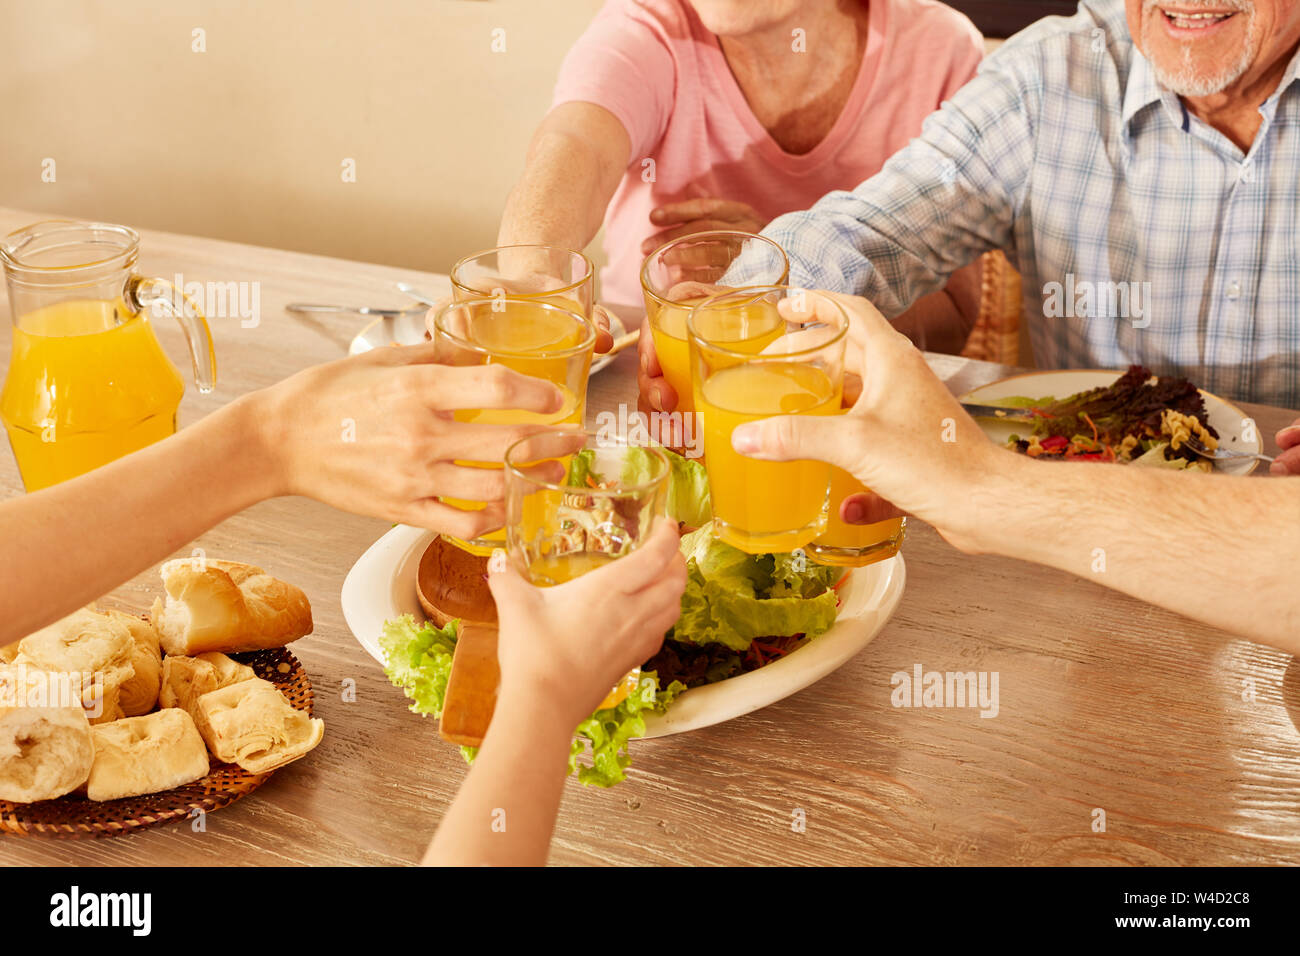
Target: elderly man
{"x":1138,"y":162}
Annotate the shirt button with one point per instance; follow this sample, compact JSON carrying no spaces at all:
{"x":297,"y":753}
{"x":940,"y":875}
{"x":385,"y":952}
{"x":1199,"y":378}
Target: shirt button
{"x":1245,"y":174}
{"x":1234,"y":290}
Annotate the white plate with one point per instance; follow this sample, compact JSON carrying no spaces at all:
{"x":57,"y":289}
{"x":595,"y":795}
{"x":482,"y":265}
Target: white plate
{"x":408,"y":329}
{"x":1225,"y":418}
{"x":381,"y":587}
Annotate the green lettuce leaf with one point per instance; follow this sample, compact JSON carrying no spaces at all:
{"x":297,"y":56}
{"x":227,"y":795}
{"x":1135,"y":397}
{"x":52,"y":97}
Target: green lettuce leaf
{"x":606,"y":732}
{"x":419,"y":660}
{"x":715,"y":614}
{"x":580,"y":468}
{"x":732,"y":597}
{"x":794,"y":575}
{"x":688,"y":491}
{"x":728,"y":567}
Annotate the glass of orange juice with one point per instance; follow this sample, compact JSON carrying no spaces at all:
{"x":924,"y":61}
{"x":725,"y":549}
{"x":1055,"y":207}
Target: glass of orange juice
{"x":540,"y":273}
{"x":575,"y":502}
{"x":762,"y":506}
{"x":532,"y":337}
{"x":684,"y":272}
{"x":88,"y":381}
{"x":854,"y":545}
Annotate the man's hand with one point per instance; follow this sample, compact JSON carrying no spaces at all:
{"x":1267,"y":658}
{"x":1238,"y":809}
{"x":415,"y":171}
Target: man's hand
{"x":1288,"y":439}
{"x":906,"y":438}
{"x":700,"y":215}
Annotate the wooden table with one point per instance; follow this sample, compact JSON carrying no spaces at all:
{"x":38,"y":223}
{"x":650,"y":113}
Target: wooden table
{"x":1105,"y":702}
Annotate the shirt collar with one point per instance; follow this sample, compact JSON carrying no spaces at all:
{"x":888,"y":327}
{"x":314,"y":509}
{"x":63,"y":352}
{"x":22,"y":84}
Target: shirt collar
{"x":1290,"y":76}
{"x":1143,"y":90}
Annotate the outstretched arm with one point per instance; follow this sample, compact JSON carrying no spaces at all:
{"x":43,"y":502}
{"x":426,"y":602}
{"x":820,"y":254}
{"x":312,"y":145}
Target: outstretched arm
{"x":553,"y":676}
{"x":372,"y":434}
{"x":575,"y":162}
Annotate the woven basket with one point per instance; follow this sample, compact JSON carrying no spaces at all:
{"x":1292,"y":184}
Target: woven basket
{"x":996,"y":335}
{"x":74,"y":816}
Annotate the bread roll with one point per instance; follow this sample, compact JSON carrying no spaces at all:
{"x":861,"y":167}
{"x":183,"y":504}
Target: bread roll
{"x":45,"y":752}
{"x":229,"y":671}
{"x":146,"y":754}
{"x":8,"y":653}
{"x":186,"y":679}
{"x":251,"y":724}
{"x":87,"y":643}
{"x":227,"y":606}
{"x":139,"y":693}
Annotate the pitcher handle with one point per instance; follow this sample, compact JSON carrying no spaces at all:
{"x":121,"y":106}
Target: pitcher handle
{"x":143,"y":293}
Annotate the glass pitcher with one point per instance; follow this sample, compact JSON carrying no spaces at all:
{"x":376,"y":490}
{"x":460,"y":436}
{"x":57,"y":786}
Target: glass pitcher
{"x":88,"y":381}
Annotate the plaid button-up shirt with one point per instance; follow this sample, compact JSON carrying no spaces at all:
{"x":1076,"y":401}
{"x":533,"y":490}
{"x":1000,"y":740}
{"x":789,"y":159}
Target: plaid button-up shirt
{"x":1142,"y":234}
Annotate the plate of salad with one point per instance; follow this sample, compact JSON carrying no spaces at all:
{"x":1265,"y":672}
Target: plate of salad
{"x":1127,"y":417}
{"x":754,"y":629}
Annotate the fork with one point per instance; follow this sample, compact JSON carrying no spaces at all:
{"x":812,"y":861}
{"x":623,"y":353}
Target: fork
{"x":1222,"y":454}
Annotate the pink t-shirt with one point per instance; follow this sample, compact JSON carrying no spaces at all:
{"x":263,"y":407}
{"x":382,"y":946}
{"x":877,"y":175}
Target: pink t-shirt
{"x":654,"y":66}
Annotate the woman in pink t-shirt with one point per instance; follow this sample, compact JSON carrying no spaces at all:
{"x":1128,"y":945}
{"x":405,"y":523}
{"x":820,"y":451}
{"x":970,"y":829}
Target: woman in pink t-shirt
{"x":680,"y":116}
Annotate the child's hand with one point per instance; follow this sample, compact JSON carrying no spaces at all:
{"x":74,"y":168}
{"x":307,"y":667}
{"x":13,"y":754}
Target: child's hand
{"x":564,"y":647}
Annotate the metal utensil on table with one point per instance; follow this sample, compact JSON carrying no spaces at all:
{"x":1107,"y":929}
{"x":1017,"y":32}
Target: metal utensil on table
{"x":1222,"y":454}
{"x":309,"y":307}
{"x":422,"y":297}
{"x":999,"y":412}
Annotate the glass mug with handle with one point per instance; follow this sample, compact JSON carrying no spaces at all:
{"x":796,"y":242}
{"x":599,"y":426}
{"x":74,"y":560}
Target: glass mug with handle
{"x":683,"y":273}
{"x":577,"y":501}
{"x":88,"y":381}
{"x":766,"y":506}
{"x":532,"y":337}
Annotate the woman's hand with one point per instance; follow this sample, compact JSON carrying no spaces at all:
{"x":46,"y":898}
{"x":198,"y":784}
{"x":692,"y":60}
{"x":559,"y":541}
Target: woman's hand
{"x":700,"y":215}
{"x":374,"y":434}
{"x":562,"y":648}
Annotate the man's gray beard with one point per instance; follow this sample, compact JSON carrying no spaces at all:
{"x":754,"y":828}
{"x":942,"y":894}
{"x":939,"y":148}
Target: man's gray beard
{"x":1185,"y":81}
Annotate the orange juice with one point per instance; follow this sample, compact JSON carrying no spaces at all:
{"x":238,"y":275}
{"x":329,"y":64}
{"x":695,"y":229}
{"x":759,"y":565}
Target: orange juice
{"x":749,"y":328}
{"x":87,"y":383}
{"x":537,"y":339}
{"x":854,"y":545}
{"x":570,"y":413}
{"x":761,"y":506}
{"x":522,"y":336}
{"x":556,"y":569}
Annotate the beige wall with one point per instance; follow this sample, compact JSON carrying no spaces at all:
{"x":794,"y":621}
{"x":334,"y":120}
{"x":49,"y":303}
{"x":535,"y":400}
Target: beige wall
{"x":246,"y":140}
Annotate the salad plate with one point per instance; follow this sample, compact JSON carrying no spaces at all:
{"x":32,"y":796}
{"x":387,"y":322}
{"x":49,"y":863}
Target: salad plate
{"x":1225,"y":418}
{"x":381,"y":587}
{"x":407,"y":328}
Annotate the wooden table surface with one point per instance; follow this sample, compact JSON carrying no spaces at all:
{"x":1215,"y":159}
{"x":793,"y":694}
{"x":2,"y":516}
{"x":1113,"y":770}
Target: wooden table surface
{"x":1105,"y":702}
